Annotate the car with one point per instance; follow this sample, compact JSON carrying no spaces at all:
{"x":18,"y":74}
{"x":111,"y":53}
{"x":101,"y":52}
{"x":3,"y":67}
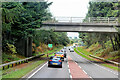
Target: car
{"x":71,"y":50}
{"x":54,"y":57}
{"x":64,"y":51}
{"x":69,"y":47}
{"x":60,"y":54}
{"x":64,"y":47}
{"x":55,"y":61}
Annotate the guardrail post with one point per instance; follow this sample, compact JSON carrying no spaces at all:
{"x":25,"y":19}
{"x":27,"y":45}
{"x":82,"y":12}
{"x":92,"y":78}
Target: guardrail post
{"x":15,"y":63}
{"x":3,"y":67}
{"x":8,"y":66}
{"x":12,"y":65}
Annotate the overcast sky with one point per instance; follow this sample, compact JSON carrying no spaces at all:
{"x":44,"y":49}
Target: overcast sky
{"x":69,"y":8}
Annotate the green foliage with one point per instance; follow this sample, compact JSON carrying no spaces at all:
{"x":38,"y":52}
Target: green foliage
{"x":11,"y":48}
{"x":102,"y":9}
{"x":8,"y":58}
{"x":83,"y":51}
{"x":19,"y":19}
{"x":18,"y":73}
{"x":84,"y":56}
{"x":106,"y":65}
{"x":50,"y":37}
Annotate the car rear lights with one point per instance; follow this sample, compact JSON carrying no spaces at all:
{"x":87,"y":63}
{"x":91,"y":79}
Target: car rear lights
{"x":50,"y":60}
{"x":60,"y":61}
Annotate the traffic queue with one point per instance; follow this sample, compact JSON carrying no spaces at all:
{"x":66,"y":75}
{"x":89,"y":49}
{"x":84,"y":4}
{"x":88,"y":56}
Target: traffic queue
{"x":57,"y":59}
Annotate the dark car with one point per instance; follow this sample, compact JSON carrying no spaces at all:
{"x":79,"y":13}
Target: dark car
{"x":55,"y":61}
{"x":65,"y":53}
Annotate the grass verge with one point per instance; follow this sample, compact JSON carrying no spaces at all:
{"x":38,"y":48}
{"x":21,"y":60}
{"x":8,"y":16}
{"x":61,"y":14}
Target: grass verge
{"x":83,"y":55}
{"x":21,"y":72}
{"x":91,"y":59}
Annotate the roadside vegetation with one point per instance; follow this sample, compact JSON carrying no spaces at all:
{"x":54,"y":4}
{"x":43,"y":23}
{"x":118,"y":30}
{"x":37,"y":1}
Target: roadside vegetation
{"x":17,"y":73}
{"x":23,"y":69}
{"x":85,"y":54}
{"x":19,"y":23}
{"x":105,"y":45}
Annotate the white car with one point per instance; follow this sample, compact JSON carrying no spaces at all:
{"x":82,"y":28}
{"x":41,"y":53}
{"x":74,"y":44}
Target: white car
{"x":71,"y":50}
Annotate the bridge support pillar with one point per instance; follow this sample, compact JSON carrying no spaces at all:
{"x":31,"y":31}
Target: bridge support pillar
{"x":28,"y":47}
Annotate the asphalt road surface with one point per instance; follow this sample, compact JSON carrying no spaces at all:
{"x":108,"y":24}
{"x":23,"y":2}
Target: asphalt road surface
{"x":93,"y":70}
{"x":53,"y":72}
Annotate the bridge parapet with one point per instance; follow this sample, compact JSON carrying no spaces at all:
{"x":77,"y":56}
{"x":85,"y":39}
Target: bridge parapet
{"x":83,"y":20}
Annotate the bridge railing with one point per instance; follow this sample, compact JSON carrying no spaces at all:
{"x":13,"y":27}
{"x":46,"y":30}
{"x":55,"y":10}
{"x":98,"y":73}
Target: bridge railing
{"x":85,"y":20}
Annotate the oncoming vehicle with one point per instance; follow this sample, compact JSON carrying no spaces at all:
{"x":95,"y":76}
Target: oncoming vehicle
{"x":64,"y":47}
{"x":55,"y":61}
{"x":60,"y":54}
{"x":71,"y":50}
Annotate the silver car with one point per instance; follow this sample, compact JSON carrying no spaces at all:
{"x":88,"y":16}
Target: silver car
{"x":71,"y":50}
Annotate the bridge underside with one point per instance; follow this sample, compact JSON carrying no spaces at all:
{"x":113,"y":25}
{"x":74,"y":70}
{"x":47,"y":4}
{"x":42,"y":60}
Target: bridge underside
{"x":107,"y":28}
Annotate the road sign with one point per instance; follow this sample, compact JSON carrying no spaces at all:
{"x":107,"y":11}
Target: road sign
{"x":50,"y":45}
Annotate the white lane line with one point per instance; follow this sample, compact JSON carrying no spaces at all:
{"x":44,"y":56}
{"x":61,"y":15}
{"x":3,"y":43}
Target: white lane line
{"x":99,"y":66}
{"x":69,"y":71}
{"x":71,"y":76}
{"x":105,"y":69}
{"x":37,"y":70}
{"x":84,"y":71}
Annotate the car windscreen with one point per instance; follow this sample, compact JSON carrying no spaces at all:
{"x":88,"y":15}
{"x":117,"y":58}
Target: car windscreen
{"x":56,"y":59}
{"x":59,"y":53}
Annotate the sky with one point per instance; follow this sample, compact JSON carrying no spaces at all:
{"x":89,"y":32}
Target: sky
{"x":69,"y":8}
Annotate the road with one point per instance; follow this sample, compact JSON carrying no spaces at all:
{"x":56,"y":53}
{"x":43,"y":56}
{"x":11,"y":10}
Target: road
{"x":78,"y":66}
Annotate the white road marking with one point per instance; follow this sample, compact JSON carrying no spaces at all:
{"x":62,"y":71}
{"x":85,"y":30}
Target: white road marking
{"x":105,"y":68}
{"x":37,"y":70}
{"x":99,"y":66}
{"x":83,"y":70}
{"x":69,"y":71}
{"x":70,"y":76}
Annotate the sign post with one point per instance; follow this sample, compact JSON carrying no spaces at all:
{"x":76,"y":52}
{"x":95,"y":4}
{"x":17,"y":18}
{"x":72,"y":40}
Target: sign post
{"x":50,"y":46}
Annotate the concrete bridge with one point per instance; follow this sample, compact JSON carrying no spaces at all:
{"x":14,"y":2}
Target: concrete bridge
{"x":77,"y":24}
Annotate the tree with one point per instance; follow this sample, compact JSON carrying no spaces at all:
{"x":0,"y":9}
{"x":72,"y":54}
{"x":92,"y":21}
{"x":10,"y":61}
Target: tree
{"x":102,"y":9}
{"x":47,"y":37}
{"x":19,"y":20}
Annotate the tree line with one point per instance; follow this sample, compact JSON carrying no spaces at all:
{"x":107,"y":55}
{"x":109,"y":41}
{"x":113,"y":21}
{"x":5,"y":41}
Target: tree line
{"x":20,"y":20}
{"x":102,"y":9}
